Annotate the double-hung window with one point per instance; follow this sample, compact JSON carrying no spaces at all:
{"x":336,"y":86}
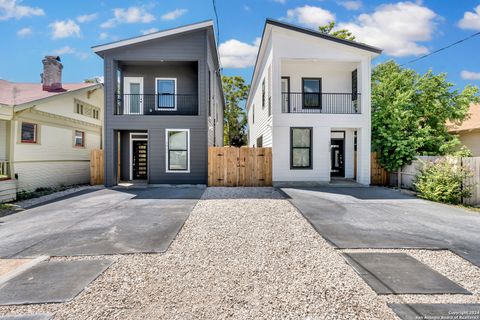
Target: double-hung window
{"x":312,"y":92}
{"x":79,"y":138}
{"x":166,"y":93}
{"x":178,"y":150}
{"x":29,"y":133}
{"x":300,"y":148}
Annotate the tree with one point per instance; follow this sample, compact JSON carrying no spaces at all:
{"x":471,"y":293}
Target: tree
{"x":341,"y":33}
{"x":235,"y":119}
{"x":410,"y":112}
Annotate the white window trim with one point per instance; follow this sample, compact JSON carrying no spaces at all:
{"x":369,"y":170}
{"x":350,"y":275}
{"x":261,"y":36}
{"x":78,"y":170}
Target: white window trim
{"x":167,"y":149}
{"x":75,"y":138}
{"x":131,"y":151}
{"x":156,"y":92}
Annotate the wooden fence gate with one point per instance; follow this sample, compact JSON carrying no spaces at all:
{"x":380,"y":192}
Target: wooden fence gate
{"x":378,"y":175}
{"x":239,"y":167}
{"x":96,"y":167}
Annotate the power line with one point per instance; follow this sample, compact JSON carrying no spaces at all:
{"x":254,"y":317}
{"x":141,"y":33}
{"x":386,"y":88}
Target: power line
{"x":441,"y":49}
{"x":216,"y":19}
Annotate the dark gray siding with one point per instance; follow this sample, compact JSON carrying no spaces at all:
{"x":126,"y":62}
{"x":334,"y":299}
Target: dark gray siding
{"x":187,"y":47}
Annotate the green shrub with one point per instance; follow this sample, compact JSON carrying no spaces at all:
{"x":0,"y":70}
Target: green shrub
{"x":443,"y":181}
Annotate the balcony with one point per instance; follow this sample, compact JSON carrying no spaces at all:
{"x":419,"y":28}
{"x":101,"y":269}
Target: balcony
{"x":327,"y":103}
{"x":156,"y":104}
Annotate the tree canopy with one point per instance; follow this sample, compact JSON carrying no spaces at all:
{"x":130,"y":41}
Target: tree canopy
{"x":410,"y":113}
{"x":235,"y":119}
{"x":341,"y":33}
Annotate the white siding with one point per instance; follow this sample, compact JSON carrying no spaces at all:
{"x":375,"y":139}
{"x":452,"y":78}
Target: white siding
{"x":3,"y":140}
{"x":298,"y":55}
{"x":263,"y":122}
{"x":472,"y":141}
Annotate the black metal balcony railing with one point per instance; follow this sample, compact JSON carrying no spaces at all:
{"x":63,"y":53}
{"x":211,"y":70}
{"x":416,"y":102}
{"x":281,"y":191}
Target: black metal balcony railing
{"x":334,"y":103}
{"x":156,"y":104}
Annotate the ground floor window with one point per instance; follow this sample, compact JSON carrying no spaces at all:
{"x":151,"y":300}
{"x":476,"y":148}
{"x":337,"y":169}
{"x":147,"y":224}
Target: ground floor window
{"x":79,"y":138}
{"x":178,"y":150}
{"x":29,"y":132}
{"x":300,"y":148}
{"x":260,"y":142}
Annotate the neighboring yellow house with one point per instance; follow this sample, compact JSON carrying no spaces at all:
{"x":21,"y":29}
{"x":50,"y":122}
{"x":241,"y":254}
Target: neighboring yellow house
{"x":47,"y":131}
{"x":469,"y":130}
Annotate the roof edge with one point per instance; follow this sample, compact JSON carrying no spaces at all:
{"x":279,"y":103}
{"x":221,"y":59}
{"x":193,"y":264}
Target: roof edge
{"x":325,"y":36}
{"x":151,"y":36}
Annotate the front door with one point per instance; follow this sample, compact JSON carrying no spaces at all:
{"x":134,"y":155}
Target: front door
{"x":139,"y":160}
{"x":133,"y":95}
{"x":338,"y":155}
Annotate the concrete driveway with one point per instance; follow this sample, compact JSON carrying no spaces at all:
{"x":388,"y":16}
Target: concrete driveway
{"x":383,"y":218}
{"x":98,"y":222}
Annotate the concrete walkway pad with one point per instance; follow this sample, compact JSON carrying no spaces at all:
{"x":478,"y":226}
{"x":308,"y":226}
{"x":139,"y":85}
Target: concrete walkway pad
{"x":40,"y":316}
{"x":100,"y":222}
{"x":399,"y":273}
{"x":436,"y":311}
{"x":50,"y":282}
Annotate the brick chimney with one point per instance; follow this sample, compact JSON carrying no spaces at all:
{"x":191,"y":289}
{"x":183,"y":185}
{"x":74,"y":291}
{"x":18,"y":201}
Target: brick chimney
{"x":52,"y":74}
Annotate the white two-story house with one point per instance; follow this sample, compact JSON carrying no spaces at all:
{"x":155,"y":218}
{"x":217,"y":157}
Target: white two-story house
{"x":310,"y":101}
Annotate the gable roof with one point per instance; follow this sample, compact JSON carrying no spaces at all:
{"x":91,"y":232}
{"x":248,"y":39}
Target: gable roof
{"x":14,"y":94}
{"x":322,"y":35}
{"x":152,"y":36}
{"x":318,"y":34}
{"x":472,"y":123}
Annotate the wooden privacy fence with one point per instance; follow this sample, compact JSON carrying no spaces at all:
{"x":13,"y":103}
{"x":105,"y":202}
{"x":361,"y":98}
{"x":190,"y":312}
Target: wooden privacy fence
{"x":379,"y":176}
{"x":244,"y":167}
{"x":96,"y":167}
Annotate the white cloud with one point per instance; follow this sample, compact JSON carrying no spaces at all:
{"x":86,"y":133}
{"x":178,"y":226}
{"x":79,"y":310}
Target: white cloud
{"x":237,"y":54}
{"x":103,"y":35}
{"x":175,"y":14}
{"x":69,"y":50}
{"x":351,"y":5}
{"x":151,"y":30}
{"x":471,"y":20}
{"x":470,"y":75}
{"x":24,"y":32}
{"x":63,"y":50}
{"x":129,"y":15}
{"x":13,"y":9}
{"x":87,"y":17}
{"x":65,"y":29}
{"x":396,"y":28}
{"x":280,"y":1}
{"x":310,"y":16}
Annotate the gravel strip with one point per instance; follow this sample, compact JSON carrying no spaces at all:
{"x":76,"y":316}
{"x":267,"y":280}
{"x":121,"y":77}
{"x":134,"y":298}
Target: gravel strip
{"x":244,"y":253}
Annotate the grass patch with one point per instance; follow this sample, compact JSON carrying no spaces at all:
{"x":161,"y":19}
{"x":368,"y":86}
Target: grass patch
{"x":470,"y":208}
{"x":39,"y":192}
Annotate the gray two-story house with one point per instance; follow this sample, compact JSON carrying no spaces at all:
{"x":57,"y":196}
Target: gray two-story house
{"x":163,"y":105}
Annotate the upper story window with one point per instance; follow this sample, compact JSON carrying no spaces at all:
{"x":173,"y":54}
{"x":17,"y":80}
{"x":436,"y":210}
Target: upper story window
{"x":166,"y":92}
{"x":86,"y":109}
{"x":209,"y":93}
{"x":79,"y":138}
{"x":29,"y":132}
{"x":312,"y":92}
{"x":263,"y":94}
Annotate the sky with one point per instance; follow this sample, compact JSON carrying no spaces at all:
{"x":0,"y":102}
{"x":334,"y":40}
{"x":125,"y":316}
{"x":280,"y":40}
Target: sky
{"x":31,"y":29}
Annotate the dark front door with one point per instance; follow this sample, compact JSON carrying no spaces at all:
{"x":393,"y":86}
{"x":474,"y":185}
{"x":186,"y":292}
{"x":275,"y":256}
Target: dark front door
{"x":338,"y":155}
{"x":139,"y":160}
